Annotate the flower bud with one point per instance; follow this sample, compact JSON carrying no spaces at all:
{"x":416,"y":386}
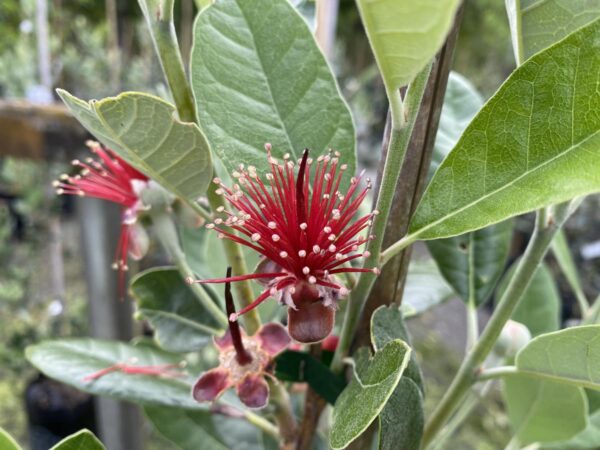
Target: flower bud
{"x":513,"y":338}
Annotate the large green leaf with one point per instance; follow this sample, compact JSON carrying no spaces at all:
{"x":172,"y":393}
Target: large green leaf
{"x":424,"y":288}
{"x":405,"y":35}
{"x":535,"y":143}
{"x":539,"y":307}
{"x":143,"y":130}
{"x":544,"y":411}
{"x":7,"y":442}
{"x":588,"y":439}
{"x":258,"y":76}
{"x":180,"y":322}
{"x":537,"y":24}
{"x":82,"y":440}
{"x":570,"y":356}
{"x":373,"y":382}
{"x":71,"y":360}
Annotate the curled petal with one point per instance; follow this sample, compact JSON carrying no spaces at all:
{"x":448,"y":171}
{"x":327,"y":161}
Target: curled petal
{"x":253,"y":391}
{"x":311,"y":322}
{"x":139,"y":242}
{"x":273,"y":338}
{"x":211,"y":384}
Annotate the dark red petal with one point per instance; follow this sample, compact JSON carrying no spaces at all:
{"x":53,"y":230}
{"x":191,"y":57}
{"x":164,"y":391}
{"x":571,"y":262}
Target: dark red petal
{"x":211,"y":384}
{"x":273,"y":338}
{"x":330,"y":343}
{"x":311,"y":322}
{"x":224,"y":342}
{"x":253,"y":391}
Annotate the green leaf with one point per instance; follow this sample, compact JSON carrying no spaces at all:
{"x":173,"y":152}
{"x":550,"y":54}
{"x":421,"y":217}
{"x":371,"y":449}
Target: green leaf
{"x":373,"y":382}
{"x":71,"y":360}
{"x":537,"y":24}
{"x":82,"y":440}
{"x":7,"y":442}
{"x":569,"y":356}
{"x":258,"y":76}
{"x":143,"y":130}
{"x":405,"y":36}
{"x":402,"y":420}
{"x":424,"y":288}
{"x":539,"y":307}
{"x":472,"y":263}
{"x":588,"y":439}
{"x":535,"y":143}
{"x":544,"y":411}
{"x":180,"y":322}
{"x":301,"y":367}
{"x":562,"y":253}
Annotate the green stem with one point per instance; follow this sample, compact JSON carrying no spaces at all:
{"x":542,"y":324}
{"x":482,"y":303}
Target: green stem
{"x":593,"y":314}
{"x":262,"y":424}
{"x":280,"y":399}
{"x":167,"y":235}
{"x":497,"y":372}
{"x":472,"y":323}
{"x":545,"y":229}
{"x":399,"y":140}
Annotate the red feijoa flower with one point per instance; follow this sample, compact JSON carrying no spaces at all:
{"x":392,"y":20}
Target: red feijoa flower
{"x":111,"y":178}
{"x":307,"y":233}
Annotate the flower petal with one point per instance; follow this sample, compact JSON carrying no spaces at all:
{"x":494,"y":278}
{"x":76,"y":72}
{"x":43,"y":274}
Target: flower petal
{"x":224,"y":342}
{"x":311,"y":322}
{"x":211,"y":384}
{"x":273,"y":338}
{"x":139,"y":242}
{"x":253,"y":391}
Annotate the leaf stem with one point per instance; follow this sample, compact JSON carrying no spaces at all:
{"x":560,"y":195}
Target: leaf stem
{"x":399,"y":140}
{"x":545,"y":228}
{"x":396,"y":248}
{"x":472,"y":323}
{"x":288,"y":427}
{"x":593,"y":314}
{"x":262,"y":424}
{"x":496,"y":372}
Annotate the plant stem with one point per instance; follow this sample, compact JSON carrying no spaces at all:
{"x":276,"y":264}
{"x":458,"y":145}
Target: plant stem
{"x":472,"y":323}
{"x":497,"y":372}
{"x":262,"y":424}
{"x":396,"y":248}
{"x":288,"y":427}
{"x":593,"y":314}
{"x":167,"y":235}
{"x":400,"y":137}
{"x":545,"y":229}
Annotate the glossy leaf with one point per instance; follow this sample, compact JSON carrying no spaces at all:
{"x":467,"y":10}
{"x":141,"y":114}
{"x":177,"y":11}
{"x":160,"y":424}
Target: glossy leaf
{"x":539,"y":307}
{"x":405,"y":36}
{"x":537,"y":24}
{"x":570,"y":356}
{"x":180,"y":322}
{"x":588,"y":439}
{"x":82,"y":440}
{"x":544,"y":411}
{"x":143,"y":130}
{"x":425,"y":288}
{"x":7,"y":442}
{"x":373,"y":382}
{"x":535,"y":143}
{"x":562,"y":253}
{"x":258,"y":76}
{"x":71,"y":360}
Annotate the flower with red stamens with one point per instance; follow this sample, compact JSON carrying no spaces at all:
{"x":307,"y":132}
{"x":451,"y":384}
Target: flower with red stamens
{"x":114,"y":180}
{"x":307,"y":233}
{"x":244,"y":361}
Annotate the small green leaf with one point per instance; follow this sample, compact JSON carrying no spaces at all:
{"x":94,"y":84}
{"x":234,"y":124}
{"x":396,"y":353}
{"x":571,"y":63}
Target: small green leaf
{"x":180,"y":322}
{"x":82,"y":440}
{"x":143,"y":130}
{"x":562,"y":253}
{"x":539,"y":307}
{"x":569,"y":356}
{"x":405,"y":36}
{"x":364,"y":398}
{"x":544,"y":411}
{"x":588,"y":439}
{"x":537,"y":24}
{"x":7,"y":442}
{"x":71,"y":360}
{"x":535,"y":143}
{"x":258,"y":76}
{"x":304,"y":368}
{"x":424,"y":288}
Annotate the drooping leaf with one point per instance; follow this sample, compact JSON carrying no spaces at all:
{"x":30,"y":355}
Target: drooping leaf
{"x":537,"y":24}
{"x":301,"y":367}
{"x":539,"y":308}
{"x":71,"y":360}
{"x":535,"y":143}
{"x":82,"y":440}
{"x":143,"y":130}
{"x":588,"y":439}
{"x":180,"y":322}
{"x":373,"y":383}
{"x":258,"y":76}
{"x":544,"y":411}
{"x":425,"y":288}
{"x":562,"y":253}
{"x":405,"y":36}
{"x":570,"y":356}
{"x":7,"y":442}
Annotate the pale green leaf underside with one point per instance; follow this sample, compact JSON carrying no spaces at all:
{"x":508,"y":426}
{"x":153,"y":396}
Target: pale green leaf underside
{"x":71,"y":360}
{"x":402,"y":420}
{"x":425,"y":288}
{"x":588,"y":439}
{"x":544,"y":411}
{"x":364,"y":398}
{"x":82,"y":440}
{"x":258,"y":76}
{"x":143,"y":130}
{"x":7,"y":442}
{"x":570,"y":356}
{"x":535,"y":143}
{"x":405,"y":35}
